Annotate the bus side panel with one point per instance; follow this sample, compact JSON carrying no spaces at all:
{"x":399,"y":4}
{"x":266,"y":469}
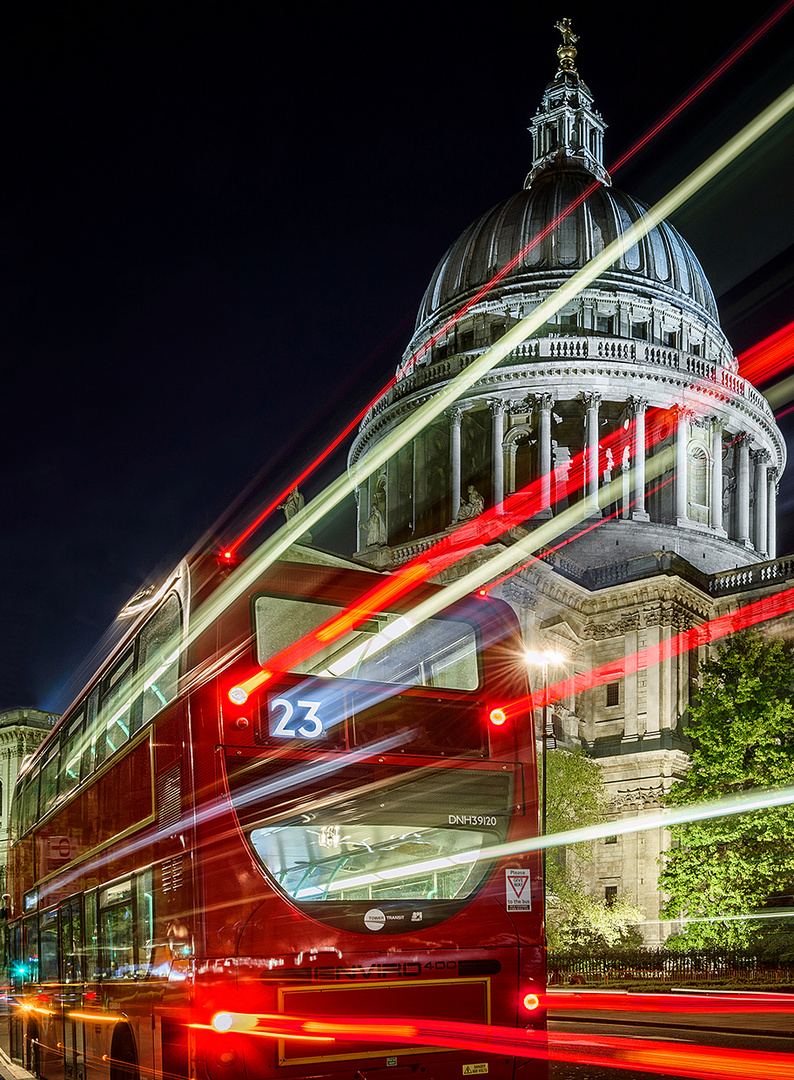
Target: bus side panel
{"x":176,"y":1060}
{"x":178,"y":933}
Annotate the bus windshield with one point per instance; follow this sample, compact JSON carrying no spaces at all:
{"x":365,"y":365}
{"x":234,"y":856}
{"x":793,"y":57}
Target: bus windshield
{"x":370,"y":833}
{"x":439,"y":652}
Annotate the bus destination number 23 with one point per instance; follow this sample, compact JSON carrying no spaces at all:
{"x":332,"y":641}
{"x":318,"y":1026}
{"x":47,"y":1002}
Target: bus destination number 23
{"x":295,"y":719}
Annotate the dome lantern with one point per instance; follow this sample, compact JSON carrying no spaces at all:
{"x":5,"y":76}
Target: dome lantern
{"x":566,"y":127}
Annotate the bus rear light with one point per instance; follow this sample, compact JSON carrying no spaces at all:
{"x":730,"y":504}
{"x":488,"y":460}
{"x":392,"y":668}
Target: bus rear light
{"x":241,"y":723}
{"x":238,"y":695}
{"x":531,"y":1002}
{"x":498,"y":717}
{"x":226,"y":1057}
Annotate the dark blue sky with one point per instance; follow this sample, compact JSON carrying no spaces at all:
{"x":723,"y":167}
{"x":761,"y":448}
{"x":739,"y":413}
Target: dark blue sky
{"x":219,"y":222}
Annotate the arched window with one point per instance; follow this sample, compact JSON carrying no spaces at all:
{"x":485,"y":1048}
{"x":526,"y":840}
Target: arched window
{"x":698,"y":477}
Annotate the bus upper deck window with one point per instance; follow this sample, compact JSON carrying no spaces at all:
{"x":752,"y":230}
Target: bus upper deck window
{"x":440,"y":652}
{"x":158,"y":658}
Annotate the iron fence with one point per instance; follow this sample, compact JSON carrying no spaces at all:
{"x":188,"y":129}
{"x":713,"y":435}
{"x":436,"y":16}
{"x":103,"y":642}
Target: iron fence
{"x":615,"y":966}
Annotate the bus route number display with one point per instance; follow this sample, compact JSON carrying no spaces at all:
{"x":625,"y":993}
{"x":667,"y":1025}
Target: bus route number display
{"x":300,"y":718}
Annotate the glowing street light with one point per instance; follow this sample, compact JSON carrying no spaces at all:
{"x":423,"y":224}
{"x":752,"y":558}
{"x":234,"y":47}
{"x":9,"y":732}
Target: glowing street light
{"x":542,"y":660}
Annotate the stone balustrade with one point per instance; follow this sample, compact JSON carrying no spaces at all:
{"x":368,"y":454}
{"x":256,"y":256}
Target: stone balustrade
{"x":588,"y":348}
{"x":744,"y":577}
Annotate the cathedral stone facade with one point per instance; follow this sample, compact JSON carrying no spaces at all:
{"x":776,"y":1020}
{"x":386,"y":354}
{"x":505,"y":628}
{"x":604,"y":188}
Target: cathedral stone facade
{"x":684,"y":515}
{"x":21,"y":731}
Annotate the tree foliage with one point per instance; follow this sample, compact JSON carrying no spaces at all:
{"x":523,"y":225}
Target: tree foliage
{"x":742,"y":729}
{"x":576,"y":797}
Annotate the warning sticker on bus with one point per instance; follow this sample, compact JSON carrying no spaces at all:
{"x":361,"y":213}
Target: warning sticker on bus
{"x":517,"y":890}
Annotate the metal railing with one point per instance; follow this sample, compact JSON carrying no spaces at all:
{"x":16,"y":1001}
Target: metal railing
{"x":662,"y":967}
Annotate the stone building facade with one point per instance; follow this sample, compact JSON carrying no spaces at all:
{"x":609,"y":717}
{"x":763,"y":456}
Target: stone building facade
{"x":677,"y":519}
{"x":21,"y":731}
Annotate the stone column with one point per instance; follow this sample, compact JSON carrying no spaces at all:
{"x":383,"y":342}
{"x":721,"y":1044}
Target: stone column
{"x":771,"y":511}
{"x":625,"y":477}
{"x":639,"y":513}
{"x":630,"y":684}
{"x":511,"y":450}
{"x":761,"y":466}
{"x":681,"y":435}
{"x":592,"y":401}
{"x":365,"y":507}
{"x":743,"y":491}
{"x":497,"y":407}
{"x":545,"y":403}
{"x":716,"y":475}
{"x":455,"y":416}
{"x":419,"y":479}
{"x":362,"y":512}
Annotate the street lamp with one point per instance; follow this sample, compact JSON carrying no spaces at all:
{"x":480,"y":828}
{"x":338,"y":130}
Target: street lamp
{"x":542,"y":660}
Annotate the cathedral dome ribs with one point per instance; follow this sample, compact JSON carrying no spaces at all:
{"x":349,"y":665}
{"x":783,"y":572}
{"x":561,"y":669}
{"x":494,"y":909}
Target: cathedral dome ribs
{"x":640,"y":350}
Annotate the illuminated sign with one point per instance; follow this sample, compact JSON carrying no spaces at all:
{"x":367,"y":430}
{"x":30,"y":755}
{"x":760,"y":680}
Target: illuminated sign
{"x":295,"y":719}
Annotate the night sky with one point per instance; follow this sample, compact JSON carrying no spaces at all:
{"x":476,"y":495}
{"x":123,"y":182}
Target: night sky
{"x":219,"y":223}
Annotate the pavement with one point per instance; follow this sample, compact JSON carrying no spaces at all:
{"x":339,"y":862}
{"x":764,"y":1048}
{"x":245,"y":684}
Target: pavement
{"x":9,"y":1070}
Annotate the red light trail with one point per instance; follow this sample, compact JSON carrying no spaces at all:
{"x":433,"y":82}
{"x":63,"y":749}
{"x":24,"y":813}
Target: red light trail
{"x":706,"y":82}
{"x":469,"y":537}
{"x":671,"y":1003}
{"x":750,"y":615}
{"x":697,"y":1062}
{"x":769,"y":357}
{"x":229,"y":550}
{"x":565,"y":480}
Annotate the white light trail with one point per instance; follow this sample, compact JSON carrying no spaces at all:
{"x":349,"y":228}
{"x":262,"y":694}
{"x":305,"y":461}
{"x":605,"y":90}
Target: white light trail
{"x":246,"y":575}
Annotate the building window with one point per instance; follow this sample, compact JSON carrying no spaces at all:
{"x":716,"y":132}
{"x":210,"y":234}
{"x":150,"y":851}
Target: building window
{"x":610,"y":894}
{"x":611,"y":840}
{"x":569,"y":320}
{"x":613,"y":693}
{"x":497,"y":331}
{"x":698,"y":476}
{"x":605,"y":324}
{"x":670,"y":338}
{"x":639,"y":330}
{"x":466,"y":340}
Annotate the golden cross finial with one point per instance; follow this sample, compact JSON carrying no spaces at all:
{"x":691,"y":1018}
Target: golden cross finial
{"x":567,"y":51}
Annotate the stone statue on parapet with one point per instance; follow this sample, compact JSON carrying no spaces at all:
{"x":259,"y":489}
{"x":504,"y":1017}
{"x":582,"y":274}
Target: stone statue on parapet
{"x":292,"y":505}
{"x":472,"y":507}
{"x":376,"y":528}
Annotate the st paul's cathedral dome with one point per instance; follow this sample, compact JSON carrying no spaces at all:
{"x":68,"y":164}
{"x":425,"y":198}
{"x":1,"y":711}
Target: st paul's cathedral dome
{"x":644,"y":339}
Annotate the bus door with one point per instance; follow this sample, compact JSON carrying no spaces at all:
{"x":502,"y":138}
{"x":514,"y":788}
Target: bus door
{"x":30,"y":978}
{"x":15,"y":971}
{"x":71,"y":942}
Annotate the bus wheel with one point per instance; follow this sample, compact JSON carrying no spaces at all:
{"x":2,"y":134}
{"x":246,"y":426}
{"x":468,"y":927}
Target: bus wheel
{"x":123,"y":1059}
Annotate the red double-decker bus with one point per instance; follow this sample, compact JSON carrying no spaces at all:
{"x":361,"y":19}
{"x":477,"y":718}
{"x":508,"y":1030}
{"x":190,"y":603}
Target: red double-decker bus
{"x":189,"y":875}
